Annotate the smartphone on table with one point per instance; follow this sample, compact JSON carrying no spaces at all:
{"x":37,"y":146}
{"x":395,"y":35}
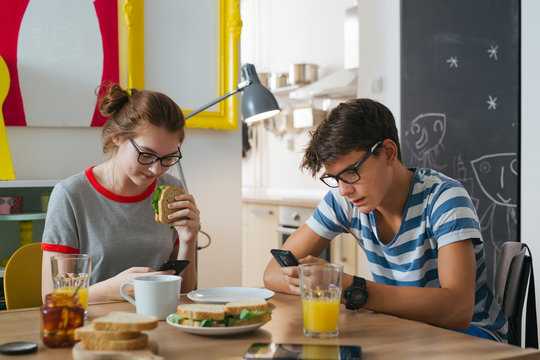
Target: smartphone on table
{"x":284,"y":257}
{"x":303,"y":351}
{"x":176,"y":265}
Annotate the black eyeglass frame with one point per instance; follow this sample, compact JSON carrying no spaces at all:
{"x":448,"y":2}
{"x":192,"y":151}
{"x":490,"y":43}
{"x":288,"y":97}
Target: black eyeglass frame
{"x":354,"y":169}
{"x":156,"y":158}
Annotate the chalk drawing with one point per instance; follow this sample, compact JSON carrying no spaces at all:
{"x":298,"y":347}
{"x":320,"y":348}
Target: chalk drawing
{"x":453,"y":61}
{"x":492,"y":51}
{"x":425,"y":138}
{"x":492,"y":103}
{"x":499,"y":220}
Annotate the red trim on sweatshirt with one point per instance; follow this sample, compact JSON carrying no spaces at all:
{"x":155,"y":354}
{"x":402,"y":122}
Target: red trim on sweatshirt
{"x":59,"y":248}
{"x":118,"y":198}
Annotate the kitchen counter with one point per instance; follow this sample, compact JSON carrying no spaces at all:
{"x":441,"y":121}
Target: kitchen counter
{"x":285,"y":197}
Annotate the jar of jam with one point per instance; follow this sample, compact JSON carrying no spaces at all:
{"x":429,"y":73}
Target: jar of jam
{"x":61,"y":314}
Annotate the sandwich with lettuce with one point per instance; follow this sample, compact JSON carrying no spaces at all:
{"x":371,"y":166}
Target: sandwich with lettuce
{"x":235,"y":313}
{"x":163,"y":196}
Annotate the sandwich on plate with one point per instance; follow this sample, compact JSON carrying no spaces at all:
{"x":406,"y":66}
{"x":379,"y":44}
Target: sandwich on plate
{"x":235,"y":313}
{"x":163,"y":196}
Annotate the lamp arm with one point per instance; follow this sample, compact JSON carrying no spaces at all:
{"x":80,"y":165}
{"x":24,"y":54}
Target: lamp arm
{"x":240,"y":87}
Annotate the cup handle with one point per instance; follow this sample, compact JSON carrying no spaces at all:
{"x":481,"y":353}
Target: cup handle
{"x":126,"y":296}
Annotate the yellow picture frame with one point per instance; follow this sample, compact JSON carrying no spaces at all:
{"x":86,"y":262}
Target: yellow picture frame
{"x":131,"y":32}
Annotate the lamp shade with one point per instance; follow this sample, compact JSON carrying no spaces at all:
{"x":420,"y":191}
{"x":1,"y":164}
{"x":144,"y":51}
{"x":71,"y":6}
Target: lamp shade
{"x":258,"y":103}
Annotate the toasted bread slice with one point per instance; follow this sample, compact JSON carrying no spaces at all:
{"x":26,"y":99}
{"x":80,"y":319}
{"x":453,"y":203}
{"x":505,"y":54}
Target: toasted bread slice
{"x":97,"y":343}
{"x":201,"y":312}
{"x":166,"y":197}
{"x":252,"y":304}
{"x":125,"y":322}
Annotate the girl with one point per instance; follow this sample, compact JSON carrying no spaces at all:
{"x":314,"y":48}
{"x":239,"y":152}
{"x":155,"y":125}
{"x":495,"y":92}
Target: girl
{"x":106,"y":210}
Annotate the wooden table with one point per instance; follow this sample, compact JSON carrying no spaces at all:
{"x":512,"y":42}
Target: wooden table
{"x":380,"y":336}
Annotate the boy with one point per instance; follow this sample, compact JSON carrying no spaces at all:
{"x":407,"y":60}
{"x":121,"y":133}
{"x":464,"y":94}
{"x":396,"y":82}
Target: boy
{"x":418,"y":228}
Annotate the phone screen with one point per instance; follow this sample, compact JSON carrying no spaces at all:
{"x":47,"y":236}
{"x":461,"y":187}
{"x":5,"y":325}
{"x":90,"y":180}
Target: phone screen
{"x":303,"y":351}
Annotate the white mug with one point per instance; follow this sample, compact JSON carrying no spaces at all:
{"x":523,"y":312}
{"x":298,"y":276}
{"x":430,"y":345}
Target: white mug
{"x":156,"y":295}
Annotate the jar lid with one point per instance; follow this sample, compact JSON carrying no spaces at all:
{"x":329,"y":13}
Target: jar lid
{"x":18,"y":348}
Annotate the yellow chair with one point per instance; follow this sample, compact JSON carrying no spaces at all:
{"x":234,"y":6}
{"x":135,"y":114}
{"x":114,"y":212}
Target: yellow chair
{"x":22,"y":277}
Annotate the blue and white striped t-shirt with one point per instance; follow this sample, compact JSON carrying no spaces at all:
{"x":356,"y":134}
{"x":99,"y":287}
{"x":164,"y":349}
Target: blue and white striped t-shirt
{"x":438,"y":212}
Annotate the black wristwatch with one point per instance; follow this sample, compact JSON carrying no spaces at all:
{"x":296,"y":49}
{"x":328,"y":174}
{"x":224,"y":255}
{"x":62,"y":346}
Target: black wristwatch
{"x":356,"y":295}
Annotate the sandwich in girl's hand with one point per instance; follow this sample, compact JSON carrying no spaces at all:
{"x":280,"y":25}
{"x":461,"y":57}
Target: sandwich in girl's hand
{"x":163,"y":196}
{"x":236,"y":313}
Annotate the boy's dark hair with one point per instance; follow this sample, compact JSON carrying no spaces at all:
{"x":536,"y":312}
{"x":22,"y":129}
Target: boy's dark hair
{"x":354,"y":125}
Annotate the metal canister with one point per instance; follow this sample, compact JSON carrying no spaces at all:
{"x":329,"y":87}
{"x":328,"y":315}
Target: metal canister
{"x":303,"y":74}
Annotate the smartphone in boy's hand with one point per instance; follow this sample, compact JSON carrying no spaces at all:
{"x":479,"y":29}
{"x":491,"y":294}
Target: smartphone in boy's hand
{"x":284,"y":257}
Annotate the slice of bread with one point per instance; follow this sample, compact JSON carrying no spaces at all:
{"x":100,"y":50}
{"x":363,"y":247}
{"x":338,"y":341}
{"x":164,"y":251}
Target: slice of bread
{"x":97,"y":343}
{"x":201,"y":312}
{"x":88,"y":332}
{"x":188,"y":322}
{"x":252,"y":304}
{"x":166,"y":197}
{"x":261,"y":319}
{"x":125,"y":322}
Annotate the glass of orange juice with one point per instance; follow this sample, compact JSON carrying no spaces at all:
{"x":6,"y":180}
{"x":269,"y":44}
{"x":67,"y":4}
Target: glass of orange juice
{"x":71,"y":271}
{"x":320,"y":287}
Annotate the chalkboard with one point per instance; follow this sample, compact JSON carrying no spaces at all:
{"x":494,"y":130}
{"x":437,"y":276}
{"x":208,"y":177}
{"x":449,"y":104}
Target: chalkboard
{"x":460,"y":103}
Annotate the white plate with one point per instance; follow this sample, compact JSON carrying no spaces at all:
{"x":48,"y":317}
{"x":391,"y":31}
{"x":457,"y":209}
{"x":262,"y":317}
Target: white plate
{"x":214,"y":331}
{"x":226,"y":294}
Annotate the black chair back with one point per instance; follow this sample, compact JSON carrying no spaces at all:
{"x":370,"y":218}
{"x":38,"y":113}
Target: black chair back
{"x":513,"y":277}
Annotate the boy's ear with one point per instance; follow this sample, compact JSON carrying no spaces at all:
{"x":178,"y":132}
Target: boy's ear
{"x":390,"y":150}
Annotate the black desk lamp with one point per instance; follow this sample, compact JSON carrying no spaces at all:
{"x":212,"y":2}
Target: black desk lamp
{"x":258,"y":103}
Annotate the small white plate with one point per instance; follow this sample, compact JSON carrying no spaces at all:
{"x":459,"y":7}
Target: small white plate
{"x":227,"y":294}
{"x":214,"y":331}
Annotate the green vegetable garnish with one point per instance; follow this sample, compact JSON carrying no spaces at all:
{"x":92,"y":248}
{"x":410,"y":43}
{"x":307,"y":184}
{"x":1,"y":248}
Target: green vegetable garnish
{"x":157,"y":192}
{"x":175,"y":318}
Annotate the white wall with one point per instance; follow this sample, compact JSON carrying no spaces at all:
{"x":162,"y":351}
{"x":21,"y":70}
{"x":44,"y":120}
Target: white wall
{"x":379,"y":22}
{"x":530,"y":129}
{"x":212,"y":166}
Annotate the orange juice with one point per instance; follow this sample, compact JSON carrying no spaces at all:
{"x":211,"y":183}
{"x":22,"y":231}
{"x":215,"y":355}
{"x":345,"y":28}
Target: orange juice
{"x":320,"y":314}
{"x":82,"y":292}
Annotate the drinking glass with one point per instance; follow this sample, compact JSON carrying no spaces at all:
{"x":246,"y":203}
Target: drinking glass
{"x":320,"y":288}
{"x":72,"y":271}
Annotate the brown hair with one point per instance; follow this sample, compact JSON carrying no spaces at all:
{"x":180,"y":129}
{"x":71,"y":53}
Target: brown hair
{"x":127,"y":109}
{"x":355,"y":125}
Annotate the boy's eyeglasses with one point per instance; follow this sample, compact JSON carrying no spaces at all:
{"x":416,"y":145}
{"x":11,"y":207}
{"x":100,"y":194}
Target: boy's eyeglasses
{"x":146,"y":158}
{"x":349,"y":175}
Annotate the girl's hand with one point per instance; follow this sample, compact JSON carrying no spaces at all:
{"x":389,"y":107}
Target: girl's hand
{"x":186,"y":219}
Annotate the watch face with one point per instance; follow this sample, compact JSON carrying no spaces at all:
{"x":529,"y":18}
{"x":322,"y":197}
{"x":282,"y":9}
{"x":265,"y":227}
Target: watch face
{"x":358,"y":297}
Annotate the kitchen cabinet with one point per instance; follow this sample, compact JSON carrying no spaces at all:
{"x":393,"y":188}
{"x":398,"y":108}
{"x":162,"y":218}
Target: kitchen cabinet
{"x":26,"y":227}
{"x":343,"y":251}
{"x":259,"y":235}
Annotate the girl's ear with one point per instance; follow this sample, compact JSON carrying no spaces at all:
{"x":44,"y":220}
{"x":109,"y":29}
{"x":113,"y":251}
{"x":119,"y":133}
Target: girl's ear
{"x":116,"y":140}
